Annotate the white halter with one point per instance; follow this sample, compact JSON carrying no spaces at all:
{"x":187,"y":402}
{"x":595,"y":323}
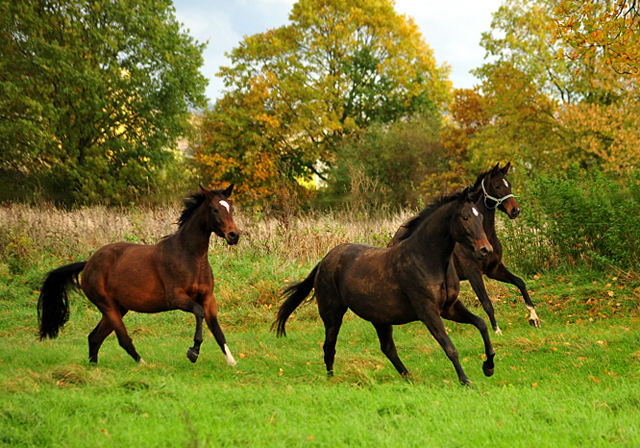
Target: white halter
{"x":496,"y":200}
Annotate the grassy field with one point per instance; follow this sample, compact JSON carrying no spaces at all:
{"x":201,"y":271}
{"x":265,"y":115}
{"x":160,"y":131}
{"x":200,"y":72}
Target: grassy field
{"x":574,"y":382}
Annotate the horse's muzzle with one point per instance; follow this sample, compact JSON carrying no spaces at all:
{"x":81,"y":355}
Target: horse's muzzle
{"x":512,"y":208}
{"x":483,"y":250}
{"x":232,"y":237}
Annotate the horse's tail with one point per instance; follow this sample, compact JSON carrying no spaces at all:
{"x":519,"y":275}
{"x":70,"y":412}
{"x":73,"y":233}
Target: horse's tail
{"x":295,"y":295}
{"x":53,"y":304}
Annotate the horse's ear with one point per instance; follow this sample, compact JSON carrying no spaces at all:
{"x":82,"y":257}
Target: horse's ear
{"x":496,"y":168}
{"x":228,"y":191}
{"x":467,"y":194}
{"x":472,"y":194}
{"x":505,"y":169}
{"x":204,"y":190}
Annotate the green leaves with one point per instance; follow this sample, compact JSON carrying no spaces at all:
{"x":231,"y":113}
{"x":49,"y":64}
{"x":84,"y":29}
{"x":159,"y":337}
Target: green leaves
{"x":548,"y":111}
{"x":296,"y":92}
{"x":107,"y":86}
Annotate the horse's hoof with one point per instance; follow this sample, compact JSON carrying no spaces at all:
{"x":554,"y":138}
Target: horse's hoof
{"x":465,"y":382}
{"x":193,"y":356}
{"x":329,"y":373}
{"x":498,"y":331}
{"x":534,"y":323}
{"x":487,"y":369}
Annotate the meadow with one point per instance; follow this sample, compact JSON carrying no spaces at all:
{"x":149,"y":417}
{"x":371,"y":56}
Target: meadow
{"x":573,"y":382}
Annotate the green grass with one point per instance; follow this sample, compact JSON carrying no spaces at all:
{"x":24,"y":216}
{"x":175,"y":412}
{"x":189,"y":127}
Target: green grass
{"x":574,"y":382}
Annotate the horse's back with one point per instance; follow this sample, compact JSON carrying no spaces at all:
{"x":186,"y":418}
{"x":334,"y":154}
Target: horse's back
{"x":363,"y":278}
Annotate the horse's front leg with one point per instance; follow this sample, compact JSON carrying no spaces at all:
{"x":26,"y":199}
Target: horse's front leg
{"x":457,"y":312}
{"x":194,"y":351}
{"x":428,"y":311}
{"x":183,"y":302}
{"x":211,"y":315}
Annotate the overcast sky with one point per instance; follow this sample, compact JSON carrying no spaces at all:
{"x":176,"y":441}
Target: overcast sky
{"x":452,"y":28}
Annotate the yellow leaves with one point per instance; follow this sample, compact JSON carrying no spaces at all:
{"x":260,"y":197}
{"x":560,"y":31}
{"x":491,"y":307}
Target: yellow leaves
{"x":601,"y":27}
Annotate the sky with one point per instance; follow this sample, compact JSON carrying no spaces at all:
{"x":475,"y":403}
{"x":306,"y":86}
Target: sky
{"x":452,"y":28}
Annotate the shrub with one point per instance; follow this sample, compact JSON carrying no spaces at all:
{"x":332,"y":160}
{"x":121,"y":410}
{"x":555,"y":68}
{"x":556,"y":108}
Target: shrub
{"x":580,"y":218}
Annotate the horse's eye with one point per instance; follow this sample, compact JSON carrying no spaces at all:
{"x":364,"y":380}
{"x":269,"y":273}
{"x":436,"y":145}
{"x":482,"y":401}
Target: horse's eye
{"x":215,"y":210}
{"x":465,"y":217}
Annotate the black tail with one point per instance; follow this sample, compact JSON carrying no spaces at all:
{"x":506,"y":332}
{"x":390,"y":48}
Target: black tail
{"x":295,"y":295}
{"x":53,"y":304}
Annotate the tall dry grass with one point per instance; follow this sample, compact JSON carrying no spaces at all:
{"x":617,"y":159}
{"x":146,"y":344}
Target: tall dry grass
{"x":272,"y":252}
{"x":79,"y":232}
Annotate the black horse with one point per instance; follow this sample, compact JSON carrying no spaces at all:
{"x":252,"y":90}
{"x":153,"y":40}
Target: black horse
{"x":496,"y":193}
{"x":414,"y":280}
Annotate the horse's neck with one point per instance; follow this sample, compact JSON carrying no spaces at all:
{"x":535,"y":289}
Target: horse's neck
{"x":194,"y":235}
{"x":489,"y":217}
{"x":433,"y":239}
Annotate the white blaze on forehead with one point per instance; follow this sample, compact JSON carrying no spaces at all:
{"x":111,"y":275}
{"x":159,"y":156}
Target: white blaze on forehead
{"x":225,"y":204}
{"x":475,"y":211}
{"x":505,"y":182}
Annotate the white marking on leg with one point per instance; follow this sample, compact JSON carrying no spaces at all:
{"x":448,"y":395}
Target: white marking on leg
{"x":229,"y":356}
{"x":142,"y":362}
{"x":225,"y":204}
{"x":532,"y":316}
{"x":498,"y":331}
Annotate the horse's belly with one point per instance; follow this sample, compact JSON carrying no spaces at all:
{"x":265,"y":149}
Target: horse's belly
{"x":382,"y":310}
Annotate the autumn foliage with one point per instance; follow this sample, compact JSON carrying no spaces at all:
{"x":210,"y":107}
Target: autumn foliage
{"x":295,"y":93}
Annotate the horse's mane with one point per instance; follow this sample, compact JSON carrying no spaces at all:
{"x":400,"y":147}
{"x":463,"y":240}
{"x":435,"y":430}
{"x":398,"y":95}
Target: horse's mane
{"x":191,"y":204}
{"x":412,"y":225}
{"x":476,"y":185}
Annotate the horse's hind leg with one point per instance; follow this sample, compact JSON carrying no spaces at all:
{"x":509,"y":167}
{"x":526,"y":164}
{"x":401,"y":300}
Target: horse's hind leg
{"x":332,"y":319}
{"x":388,"y":347}
{"x":114,"y":317}
{"x":211,"y":316}
{"x":502,"y":274}
{"x":477,"y":283}
{"x":99,"y":334}
{"x":457,"y":312}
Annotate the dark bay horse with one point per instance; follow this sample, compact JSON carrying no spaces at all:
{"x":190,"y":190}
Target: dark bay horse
{"x":173,"y":274}
{"x":496,"y":194}
{"x":414,"y":280}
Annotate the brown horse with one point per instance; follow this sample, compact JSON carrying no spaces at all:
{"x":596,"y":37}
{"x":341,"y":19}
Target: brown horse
{"x":173,"y":274}
{"x":414,"y":280}
{"x":496,"y":193}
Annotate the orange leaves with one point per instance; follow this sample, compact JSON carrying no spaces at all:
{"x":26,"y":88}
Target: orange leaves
{"x":601,"y":28}
{"x":295,"y":93}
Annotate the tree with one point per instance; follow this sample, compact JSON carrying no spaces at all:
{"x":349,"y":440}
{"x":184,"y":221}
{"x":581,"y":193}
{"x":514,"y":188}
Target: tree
{"x":547,"y":113}
{"x":467,"y":117}
{"x":93,"y":95}
{"x":295,"y":92}
{"x":387,"y":164}
{"x":609,"y":29}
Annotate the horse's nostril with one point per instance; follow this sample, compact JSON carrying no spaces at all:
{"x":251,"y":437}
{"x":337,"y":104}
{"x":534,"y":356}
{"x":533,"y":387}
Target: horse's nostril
{"x":232,"y":235}
{"x":485,"y":250}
